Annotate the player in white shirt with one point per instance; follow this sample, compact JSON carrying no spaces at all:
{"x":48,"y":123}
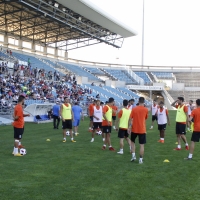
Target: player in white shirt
{"x":154,"y":109}
{"x":190,"y":109}
{"x":163,"y":120}
{"x":97,"y":118}
{"x":131,"y":104}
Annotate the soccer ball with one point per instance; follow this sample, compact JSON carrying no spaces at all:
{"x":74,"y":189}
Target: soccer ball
{"x":68,"y":133}
{"x":99,"y":132}
{"x":22,"y":151}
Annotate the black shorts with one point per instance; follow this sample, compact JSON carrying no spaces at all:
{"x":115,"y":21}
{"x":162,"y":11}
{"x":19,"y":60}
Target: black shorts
{"x":180,"y":128}
{"x":91,"y":118}
{"x":162,"y":127}
{"x":106,"y":129}
{"x":195,"y":136}
{"x":114,"y":117}
{"x":154,"y":117}
{"x":123,"y":133}
{"x":55,"y":117}
{"x":97,"y":125}
{"x":142,"y":137}
{"x":67,"y":124}
{"x":18,"y":132}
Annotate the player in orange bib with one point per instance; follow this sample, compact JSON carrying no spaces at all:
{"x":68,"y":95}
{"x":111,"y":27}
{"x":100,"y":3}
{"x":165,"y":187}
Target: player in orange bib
{"x":137,"y":127}
{"x":18,"y":125}
{"x":90,"y":110}
{"x":194,"y":116}
{"x":114,"y":113}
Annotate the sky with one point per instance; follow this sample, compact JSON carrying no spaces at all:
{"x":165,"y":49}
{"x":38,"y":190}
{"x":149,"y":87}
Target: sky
{"x":171,"y":33}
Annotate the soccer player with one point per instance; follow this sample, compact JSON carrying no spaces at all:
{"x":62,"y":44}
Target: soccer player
{"x":107,"y":123}
{"x":90,"y":108}
{"x":114,"y":113}
{"x":56,"y":115}
{"x":138,"y":128}
{"x":103,"y":135}
{"x":154,"y":108}
{"x":67,"y":117}
{"x":122,"y":125}
{"x":190,"y":109}
{"x":77,"y":111}
{"x":97,"y":118}
{"x":195,"y":116}
{"x":181,"y":120}
{"x":18,"y":124}
{"x":163,"y":120}
{"x":131,"y":104}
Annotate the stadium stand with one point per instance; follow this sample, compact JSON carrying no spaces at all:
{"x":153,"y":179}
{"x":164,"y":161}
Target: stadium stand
{"x":144,"y":76}
{"x":163,"y":75}
{"x":34,"y":62}
{"x":79,"y":71}
{"x":93,"y":70}
{"x":175,"y":94}
{"x":120,"y":75}
{"x":190,"y":79}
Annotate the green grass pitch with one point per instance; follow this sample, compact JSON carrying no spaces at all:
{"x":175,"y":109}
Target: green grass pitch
{"x":81,"y":170}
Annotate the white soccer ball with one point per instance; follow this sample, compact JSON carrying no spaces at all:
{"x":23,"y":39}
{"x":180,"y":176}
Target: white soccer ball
{"x":22,"y":151}
{"x":99,"y":133}
{"x":68,"y":133}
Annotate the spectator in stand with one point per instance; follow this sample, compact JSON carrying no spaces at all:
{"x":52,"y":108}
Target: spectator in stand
{"x":29,"y":62}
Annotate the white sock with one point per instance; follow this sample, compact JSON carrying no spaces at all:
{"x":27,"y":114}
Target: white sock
{"x":72,"y":138}
{"x":190,"y":155}
{"x":121,"y":150}
{"x":92,"y":139}
{"x":64,"y":138}
{"x":141,"y":159}
{"x":179,"y":146}
{"x":16,"y":151}
{"x":151,"y":126}
{"x":161,"y":138}
{"x":104,"y":145}
{"x":110,"y":146}
{"x":19,"y":143}
{"x":133,"y":155}
{"x":186,"y":144}
{"x":103,"y":139}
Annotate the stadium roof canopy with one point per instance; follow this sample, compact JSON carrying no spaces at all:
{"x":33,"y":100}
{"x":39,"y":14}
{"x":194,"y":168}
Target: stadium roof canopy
{"x":66,"y":24}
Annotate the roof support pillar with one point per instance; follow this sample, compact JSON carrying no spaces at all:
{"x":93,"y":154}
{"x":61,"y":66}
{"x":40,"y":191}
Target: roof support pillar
{"x":20,"y":46}
{"x":45,"y":51}
{"x":66,"y":55}
{"x":56,"y":53}
{"x":33,"y":47}
{"x":5,"y":43}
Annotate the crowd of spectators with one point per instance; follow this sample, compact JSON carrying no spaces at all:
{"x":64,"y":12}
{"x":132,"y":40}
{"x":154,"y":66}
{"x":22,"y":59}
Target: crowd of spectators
{"x":38,"y":84}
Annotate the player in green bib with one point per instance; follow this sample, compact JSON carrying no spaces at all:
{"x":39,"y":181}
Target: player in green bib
{"x":67,"y":118}
{"x":122,"y":125}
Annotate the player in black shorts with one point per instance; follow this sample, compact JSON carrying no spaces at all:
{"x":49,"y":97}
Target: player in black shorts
{"x":195,"y":118}
{"x":122,"y":126}
{"x":67,"y":117}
